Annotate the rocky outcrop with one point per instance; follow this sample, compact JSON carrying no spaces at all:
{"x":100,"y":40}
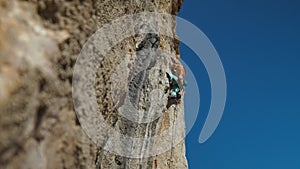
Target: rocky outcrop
{"x":39,"y":44}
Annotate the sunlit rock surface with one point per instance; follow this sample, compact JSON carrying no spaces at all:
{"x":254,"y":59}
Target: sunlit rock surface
{"x":39,"y":44}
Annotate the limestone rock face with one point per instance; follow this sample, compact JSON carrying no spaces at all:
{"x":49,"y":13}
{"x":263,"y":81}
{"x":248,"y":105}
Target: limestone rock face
{"x":39,"y":44}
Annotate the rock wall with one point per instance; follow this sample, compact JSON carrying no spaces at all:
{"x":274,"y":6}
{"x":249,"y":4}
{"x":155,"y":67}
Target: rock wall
{"x":39,"y":43}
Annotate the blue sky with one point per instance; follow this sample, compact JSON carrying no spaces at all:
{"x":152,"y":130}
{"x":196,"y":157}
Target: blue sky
{"x":258,"y":43}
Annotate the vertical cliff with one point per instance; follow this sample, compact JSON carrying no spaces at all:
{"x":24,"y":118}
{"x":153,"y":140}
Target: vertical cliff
{"x":39,"y":44}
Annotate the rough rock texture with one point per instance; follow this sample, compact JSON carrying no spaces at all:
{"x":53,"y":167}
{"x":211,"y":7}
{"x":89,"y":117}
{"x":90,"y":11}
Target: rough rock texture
{"x":39,"y":43}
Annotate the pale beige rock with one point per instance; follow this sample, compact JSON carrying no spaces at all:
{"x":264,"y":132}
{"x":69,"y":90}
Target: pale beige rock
{"x":39,"y":43}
